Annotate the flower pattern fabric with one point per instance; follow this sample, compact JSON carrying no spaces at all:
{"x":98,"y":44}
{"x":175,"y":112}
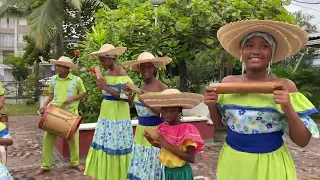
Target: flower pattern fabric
{"x":113,"y":137}
{"x":144,"y":162}
{"x":70,"y":91}
{"x":255,"y":122}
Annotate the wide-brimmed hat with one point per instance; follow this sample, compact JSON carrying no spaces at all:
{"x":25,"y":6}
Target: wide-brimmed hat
{"x":290,"y":38}
{"x":146,"y":57}
{"x":64,"y":61}
{"x":109,"y":49}
{"x":172,"y":98}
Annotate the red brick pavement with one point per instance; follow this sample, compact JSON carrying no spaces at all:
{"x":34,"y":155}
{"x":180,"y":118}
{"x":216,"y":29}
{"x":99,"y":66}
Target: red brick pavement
{"x":24,"y":157}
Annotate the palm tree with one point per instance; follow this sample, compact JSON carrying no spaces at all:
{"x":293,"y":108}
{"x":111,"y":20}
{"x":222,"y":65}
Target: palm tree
{"x":45,"y":18}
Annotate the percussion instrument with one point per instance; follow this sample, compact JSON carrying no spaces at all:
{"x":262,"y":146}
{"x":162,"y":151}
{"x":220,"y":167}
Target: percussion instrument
{"x":151,"y":133}
{"x":59,"y":122}
{"x":98,"y":72}
{"x":135,"y":89}
{"x":3,"y":155}
{"x":246,"y":87}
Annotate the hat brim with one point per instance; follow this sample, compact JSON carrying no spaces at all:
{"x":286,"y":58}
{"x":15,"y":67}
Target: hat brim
{"x":135,"y":64}
{"x":114,"y":52}
{"x":289,"y":38}
{"x":184,"y":100}
{"x":63,"y":63}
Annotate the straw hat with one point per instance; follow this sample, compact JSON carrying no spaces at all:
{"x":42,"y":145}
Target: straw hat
{"x":172,"y":98}
{"x":146,"y":57}
{"x":108,"y":49}
{"x":290,"y":38}
{"x":64,"y":61}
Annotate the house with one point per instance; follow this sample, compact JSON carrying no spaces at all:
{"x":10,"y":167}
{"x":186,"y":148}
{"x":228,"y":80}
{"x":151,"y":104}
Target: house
{"x":314,"y":41}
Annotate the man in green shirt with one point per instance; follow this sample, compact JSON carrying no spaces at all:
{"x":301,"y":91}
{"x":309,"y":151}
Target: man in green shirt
{"x":71,"y":90}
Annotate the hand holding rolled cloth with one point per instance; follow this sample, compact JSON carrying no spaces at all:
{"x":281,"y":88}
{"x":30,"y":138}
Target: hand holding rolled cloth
{"x":246,"y":87}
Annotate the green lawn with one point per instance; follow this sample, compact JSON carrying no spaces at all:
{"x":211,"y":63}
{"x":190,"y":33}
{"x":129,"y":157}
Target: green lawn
{"x":21,"y":109}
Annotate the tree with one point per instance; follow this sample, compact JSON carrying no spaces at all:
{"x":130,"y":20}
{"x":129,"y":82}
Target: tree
{"x":45,"y":19}
{"x":19,"y":69}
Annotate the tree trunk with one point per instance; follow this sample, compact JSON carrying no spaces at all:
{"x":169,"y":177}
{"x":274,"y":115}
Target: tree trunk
{"x":58,"y":46}
{"x":183,"y":75}
{"x":36,"y":81}
{"x":222,"y":65}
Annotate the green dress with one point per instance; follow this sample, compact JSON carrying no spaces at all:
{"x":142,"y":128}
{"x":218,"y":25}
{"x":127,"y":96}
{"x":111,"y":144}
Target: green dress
{"x":254,"y":148}
{"x":110,"y":152}
{"x":144,"y":163}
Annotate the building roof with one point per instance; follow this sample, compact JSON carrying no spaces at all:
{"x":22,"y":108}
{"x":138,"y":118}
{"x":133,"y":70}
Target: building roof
{"x":314,"y":40}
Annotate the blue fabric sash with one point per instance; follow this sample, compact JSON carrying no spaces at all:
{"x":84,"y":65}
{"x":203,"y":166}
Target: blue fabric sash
{"x":110,"y":98}
{"x":150,"y":121}
{"x":255,"y":143}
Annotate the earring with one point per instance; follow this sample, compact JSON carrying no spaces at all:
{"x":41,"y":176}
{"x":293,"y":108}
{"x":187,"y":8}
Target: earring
{"x":269,"y":67}
{"x":243,"y":65}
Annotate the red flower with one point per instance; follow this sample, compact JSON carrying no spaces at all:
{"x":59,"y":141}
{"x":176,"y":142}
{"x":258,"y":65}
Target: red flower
{"x":76,"y":53}
{"x":91,"y":70}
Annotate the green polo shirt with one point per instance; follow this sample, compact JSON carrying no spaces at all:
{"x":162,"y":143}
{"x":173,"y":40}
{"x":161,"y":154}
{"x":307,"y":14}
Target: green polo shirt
{"x":62,"y":87}
{"x":1,"y":89}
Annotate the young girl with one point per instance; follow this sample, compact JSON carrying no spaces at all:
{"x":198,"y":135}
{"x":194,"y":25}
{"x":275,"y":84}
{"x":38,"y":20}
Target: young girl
{"x":254,"y":148}
{"x":179,"y":142}
{"x":5,"y":140}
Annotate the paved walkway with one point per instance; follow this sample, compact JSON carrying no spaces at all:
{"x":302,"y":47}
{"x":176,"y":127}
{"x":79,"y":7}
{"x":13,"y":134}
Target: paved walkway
{"x":24,"y":156}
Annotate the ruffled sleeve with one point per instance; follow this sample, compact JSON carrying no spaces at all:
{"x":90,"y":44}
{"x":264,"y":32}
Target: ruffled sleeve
{"x":304,"y":108}
{"x":178,"y":135}
{"x":4,"y":131}
{"x":123,"y":80}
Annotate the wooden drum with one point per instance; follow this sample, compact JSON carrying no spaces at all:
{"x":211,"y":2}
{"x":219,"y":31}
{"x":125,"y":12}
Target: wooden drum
{"x":59,"y":122}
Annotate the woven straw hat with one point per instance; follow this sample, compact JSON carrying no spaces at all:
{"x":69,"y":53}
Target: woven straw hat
{"x":172,"y":98}
{"x":290,"y":38}
{"x":64,"y":61}
{"x":108,"y":49}
{"x":146,"y":57}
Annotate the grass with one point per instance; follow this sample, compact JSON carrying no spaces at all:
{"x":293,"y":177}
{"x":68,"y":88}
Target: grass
{"x":21,"y":109}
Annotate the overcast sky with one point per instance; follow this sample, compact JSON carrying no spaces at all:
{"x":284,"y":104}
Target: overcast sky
{"x":313,"y":9}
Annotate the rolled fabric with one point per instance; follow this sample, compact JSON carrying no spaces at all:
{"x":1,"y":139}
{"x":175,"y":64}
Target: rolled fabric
{"x":98,"y":72}
{"x":246,"y":87}
{"x":135,"y":89}
{"x":151,"y":133}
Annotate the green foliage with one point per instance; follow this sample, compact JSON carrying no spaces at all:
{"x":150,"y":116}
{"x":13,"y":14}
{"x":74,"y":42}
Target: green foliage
{"x":29,"y":85}
{"x":20,"y":68}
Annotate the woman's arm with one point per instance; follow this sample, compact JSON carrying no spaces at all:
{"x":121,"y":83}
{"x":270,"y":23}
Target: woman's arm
{"x":298,"y":132}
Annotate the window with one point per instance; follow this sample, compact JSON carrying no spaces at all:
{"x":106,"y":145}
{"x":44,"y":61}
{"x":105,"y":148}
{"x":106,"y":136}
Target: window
{"x":4,"y":23}
{"x":22,"y":21}
{"x":7,"y":40}
{"x":10,"y":21}
{"x":20,"y":38}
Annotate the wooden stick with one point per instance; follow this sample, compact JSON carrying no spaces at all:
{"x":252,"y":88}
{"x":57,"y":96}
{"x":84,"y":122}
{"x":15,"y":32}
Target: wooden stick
{"x":135,"y":89}
{"x":98,"y":72}
{"x":245,"y":87}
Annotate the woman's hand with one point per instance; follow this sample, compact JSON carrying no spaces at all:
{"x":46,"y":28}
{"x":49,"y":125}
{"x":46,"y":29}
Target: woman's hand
{"x":127,"y":90}
{"x":101,"y":83}
{"x":281,"y":96}
{"x":211,"y":97}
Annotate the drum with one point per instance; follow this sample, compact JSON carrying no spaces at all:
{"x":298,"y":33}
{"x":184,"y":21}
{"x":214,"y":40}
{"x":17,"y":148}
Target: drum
{"x":59,"y":122}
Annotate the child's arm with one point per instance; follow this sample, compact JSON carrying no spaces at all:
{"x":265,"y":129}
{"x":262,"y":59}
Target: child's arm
{"x":188,"y":156}
{"x":6,"y":142}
